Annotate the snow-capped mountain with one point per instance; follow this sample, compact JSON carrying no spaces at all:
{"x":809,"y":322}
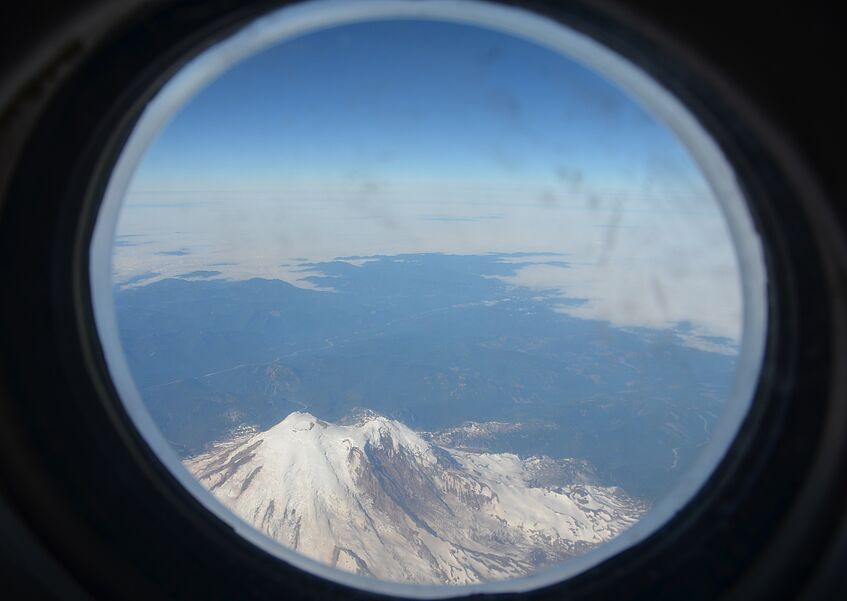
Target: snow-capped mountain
{"x":376,"y":498}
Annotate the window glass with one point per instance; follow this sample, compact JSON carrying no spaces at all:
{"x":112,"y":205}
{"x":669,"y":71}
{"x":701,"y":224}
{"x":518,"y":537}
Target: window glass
{"x":427,"y":302}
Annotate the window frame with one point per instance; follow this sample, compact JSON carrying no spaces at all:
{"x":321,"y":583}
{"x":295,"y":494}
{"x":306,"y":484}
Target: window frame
{"x":798,"y":418}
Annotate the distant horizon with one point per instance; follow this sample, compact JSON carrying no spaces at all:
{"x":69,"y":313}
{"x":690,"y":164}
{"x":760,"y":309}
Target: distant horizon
{"x":396,"y":137}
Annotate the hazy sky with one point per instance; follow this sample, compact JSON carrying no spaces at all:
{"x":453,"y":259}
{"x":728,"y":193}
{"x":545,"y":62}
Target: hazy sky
{"x":395,"y":136}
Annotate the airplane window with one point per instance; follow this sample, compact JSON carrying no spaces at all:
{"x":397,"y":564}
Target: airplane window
{"x":428,"y":299}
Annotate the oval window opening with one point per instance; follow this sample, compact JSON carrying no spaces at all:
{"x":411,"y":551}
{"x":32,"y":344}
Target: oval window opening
{"x":428,"y":299}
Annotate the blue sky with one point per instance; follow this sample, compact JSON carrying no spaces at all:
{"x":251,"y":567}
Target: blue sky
{"x":395,"y":137}
{"x":409,"y":101}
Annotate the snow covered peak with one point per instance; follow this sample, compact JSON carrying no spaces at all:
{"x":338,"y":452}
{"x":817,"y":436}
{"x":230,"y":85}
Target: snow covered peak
{"x":371,"y":429}
{"x":373,"y":497}
{"x":297,"y":421}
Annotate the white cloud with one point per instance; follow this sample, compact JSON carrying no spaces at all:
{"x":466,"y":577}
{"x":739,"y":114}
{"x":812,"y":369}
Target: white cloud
{"x":644,"y":261}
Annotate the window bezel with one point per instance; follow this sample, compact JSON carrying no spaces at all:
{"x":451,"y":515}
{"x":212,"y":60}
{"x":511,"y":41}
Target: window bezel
{"x":290,"y":22}
{"x":803,"y":255}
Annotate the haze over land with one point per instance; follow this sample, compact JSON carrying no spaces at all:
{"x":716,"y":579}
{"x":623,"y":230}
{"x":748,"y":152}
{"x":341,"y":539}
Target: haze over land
{"x":432,"y":340}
